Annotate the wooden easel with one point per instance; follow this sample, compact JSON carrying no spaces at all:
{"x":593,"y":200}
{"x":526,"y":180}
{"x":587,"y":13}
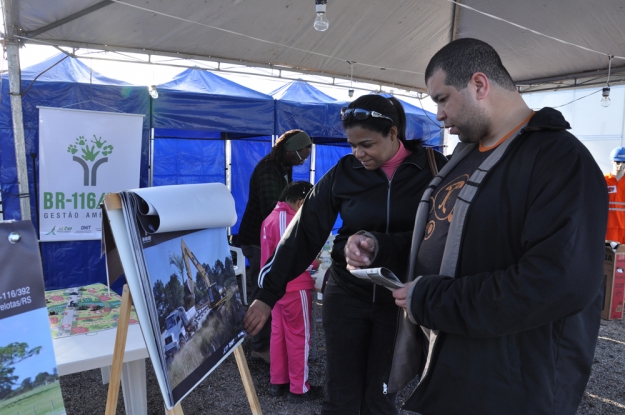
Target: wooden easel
{"x":112,"y":202}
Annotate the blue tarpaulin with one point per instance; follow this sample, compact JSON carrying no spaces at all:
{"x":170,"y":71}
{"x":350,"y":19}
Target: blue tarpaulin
{"x":193,"y":115}
{"x":421,"y":124}
{"x":69,"y":84}
{"x":299,"y":105}
{"x":202,"y":101}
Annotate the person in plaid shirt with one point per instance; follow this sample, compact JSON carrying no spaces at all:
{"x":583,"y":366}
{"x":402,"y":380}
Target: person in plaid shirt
{"x":269,"y":178}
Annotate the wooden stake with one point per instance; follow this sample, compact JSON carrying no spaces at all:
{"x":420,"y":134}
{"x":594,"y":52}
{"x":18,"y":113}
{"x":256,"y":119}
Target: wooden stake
{"x":118,"y":352}
{"x":248,"y":384}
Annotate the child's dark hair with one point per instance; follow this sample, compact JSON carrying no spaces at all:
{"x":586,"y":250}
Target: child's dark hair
{"x":388,"y":106}
{"x":295,"y":191}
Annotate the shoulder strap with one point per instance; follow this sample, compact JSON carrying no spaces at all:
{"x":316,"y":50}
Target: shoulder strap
{"x":431,"y":161}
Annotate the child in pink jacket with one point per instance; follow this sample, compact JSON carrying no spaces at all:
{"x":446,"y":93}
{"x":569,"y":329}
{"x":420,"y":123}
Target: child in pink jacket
{"x":291,"y":316}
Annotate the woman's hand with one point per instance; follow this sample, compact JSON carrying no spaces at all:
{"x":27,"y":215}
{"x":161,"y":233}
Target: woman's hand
{"x":256,"y":317}
{"x":359,"y":251}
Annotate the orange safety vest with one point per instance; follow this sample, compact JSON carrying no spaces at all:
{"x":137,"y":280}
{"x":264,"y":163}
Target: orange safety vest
{"x":616,"y":213}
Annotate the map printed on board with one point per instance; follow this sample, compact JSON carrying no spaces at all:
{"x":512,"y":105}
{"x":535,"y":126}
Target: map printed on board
{"x":83,"y":310}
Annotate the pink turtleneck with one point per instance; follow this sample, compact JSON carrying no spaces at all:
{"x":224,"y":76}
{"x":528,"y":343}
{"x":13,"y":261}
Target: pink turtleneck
{"x":389,"y":167}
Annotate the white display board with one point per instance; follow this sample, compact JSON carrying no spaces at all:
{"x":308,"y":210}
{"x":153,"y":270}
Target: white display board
{"x":82,"y":156}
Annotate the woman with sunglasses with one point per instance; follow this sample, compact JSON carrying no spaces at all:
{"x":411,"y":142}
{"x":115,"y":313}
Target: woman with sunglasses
{"x":376,"y":188}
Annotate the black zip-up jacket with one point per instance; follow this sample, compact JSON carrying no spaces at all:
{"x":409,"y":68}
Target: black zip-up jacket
{"x":366,"y":200}
{"x":268,"y":180}
{"x":519,"y":319}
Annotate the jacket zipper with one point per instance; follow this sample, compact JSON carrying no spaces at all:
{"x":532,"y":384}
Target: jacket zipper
{"x":385,"y":384}
{"x":388,"y":218}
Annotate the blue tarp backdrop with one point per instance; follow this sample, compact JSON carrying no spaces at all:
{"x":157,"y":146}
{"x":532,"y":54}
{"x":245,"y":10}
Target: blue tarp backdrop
{"x":69,"y":84}
{"x":193,"y":116}
{"x":299,"y":105}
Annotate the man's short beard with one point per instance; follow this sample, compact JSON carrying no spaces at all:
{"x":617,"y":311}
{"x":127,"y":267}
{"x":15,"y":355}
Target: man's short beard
{"x":477,"y":125}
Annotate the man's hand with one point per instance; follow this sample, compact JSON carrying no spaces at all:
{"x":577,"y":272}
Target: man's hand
{"x":359,"y":251}
{"x":256,"y":317}
{"x":400,"y":295}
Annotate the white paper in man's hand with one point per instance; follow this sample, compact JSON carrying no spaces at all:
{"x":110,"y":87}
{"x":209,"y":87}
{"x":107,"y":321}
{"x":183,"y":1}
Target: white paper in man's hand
{"x":381,"y":276}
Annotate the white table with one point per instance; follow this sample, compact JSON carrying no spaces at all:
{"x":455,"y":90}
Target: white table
{"x":82,"y":352}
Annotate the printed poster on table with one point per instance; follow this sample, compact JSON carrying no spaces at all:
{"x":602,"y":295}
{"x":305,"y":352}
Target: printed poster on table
{"x":82,"y":156}
{"x":29,"y":381}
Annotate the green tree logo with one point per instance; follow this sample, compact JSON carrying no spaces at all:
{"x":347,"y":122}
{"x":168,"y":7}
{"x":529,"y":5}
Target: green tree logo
{"x":89,"y":154}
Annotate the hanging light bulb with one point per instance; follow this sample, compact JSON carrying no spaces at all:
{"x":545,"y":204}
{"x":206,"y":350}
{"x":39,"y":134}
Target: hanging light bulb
{"x":350,"y":91}
{"x":321,"y":21}
{"x":605,"y":101}
{"x":152,"y":91}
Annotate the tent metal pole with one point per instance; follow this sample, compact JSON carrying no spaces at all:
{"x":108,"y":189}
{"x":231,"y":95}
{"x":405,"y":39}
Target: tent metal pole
{"x":228,"y":150}
{"x":18,"y":127}
{"x":151,"y":157}
{"x":228,"y":154}
{"x":313,"y":163}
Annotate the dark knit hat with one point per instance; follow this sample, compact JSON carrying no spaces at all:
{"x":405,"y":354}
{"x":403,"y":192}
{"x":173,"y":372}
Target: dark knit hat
{"x":297,"y":142}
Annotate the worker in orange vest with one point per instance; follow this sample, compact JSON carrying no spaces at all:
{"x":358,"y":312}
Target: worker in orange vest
{"x":616,"y":192}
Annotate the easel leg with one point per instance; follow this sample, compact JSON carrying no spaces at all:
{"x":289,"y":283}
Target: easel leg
{"x":248,"y":384}
{"x":118,"y":352}
{"x":176,"y":410}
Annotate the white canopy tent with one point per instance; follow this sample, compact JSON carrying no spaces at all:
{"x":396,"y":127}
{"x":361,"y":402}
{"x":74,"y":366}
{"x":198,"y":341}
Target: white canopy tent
{"x":544,"y":44}
{"x":389,"y":42}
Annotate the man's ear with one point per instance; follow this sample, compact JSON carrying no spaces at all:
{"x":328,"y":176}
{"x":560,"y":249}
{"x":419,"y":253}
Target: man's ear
{"x":481,"y":84}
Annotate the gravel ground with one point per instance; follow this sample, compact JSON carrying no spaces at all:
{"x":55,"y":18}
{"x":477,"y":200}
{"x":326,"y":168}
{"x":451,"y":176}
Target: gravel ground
{"x":222,"y":392}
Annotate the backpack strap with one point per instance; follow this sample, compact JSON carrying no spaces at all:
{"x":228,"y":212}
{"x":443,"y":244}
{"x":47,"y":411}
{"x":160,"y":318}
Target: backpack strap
{"x":431,"y":161}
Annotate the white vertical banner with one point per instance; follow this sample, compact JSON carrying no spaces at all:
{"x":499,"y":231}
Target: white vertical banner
{"x":82,"y":156}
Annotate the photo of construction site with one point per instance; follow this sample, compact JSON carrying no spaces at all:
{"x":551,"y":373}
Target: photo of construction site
{"x":197,"y":300}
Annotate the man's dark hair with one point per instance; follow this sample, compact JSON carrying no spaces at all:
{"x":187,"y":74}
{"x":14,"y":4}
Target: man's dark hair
{"x":462,"y":58}
{"x":278,"y":152}
{"x":385,"y":105}
{"x":295,"y":191}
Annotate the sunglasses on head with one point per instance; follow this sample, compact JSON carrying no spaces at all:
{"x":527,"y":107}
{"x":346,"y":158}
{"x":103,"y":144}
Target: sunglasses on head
{"x":361,"y":114}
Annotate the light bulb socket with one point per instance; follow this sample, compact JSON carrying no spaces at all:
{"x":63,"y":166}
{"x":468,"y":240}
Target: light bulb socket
{"x":152,"y":91}
{"x":320,"y":5}
{"x":606,"y":92}
{"x":350,"y":92}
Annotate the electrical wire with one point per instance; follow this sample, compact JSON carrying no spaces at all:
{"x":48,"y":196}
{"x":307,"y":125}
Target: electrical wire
{"x":492,"y":16}
{"x":259,"y":39}
{"x":427,"y":113}
{"x":570,"y":102}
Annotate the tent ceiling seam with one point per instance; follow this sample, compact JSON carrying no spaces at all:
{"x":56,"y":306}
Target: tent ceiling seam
{"x":454,"y":22}
{"x":69,"y":18}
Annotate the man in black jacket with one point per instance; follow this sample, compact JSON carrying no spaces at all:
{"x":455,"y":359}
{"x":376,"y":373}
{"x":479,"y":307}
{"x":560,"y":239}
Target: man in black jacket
{"x":506,"y":264}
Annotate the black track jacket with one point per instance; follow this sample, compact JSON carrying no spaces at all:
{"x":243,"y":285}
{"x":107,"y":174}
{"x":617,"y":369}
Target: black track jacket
{"x":519,"y":320}
{"x":366,"y":200}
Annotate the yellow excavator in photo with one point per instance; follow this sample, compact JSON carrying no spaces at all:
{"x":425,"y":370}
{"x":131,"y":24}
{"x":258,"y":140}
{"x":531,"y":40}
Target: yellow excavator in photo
{"x":216,"y":294}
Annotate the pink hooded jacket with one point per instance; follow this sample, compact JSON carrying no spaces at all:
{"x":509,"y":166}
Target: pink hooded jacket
{"x":272,"y":230}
